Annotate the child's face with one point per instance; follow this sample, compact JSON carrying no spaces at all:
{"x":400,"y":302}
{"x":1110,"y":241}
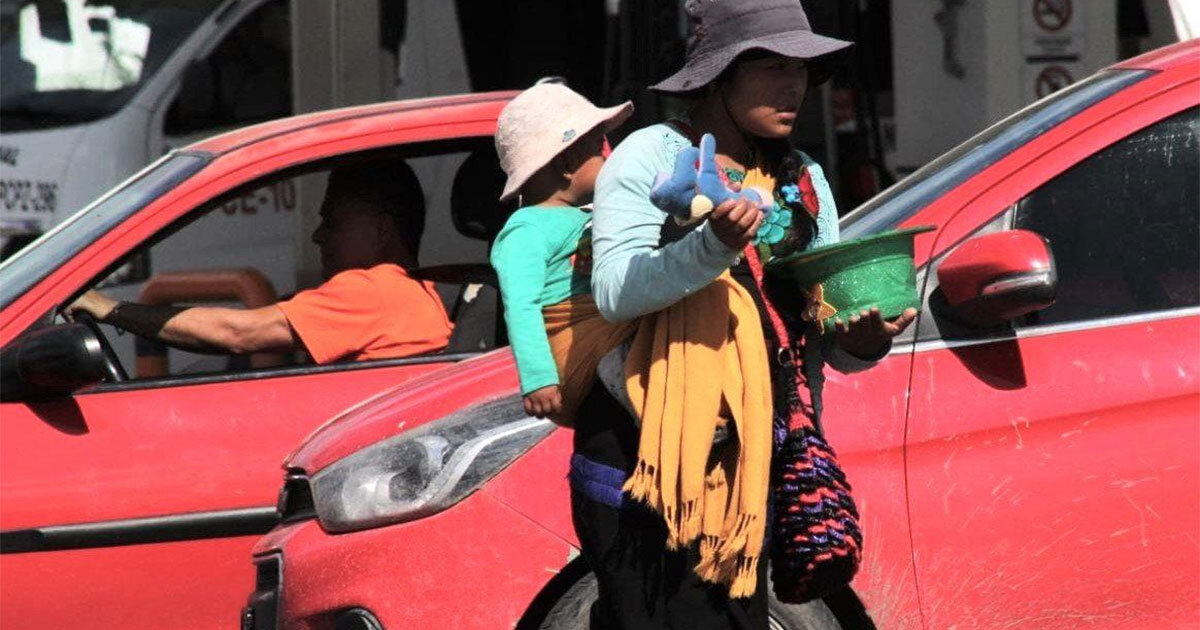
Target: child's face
{"x":764,"y":95}
{"x":586,"y":157}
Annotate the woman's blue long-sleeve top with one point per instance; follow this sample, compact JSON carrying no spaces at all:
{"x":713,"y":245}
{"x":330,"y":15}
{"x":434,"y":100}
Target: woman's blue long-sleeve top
{"x":633,"y":275}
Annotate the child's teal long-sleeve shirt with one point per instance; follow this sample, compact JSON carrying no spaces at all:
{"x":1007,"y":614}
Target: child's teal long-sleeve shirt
{"x":535,"y":260}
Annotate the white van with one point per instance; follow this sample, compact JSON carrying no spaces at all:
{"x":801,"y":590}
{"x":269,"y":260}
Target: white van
{"x":93,"y":90}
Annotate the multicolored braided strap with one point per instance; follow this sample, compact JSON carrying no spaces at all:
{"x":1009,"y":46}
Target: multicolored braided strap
{"x":816,"y":541}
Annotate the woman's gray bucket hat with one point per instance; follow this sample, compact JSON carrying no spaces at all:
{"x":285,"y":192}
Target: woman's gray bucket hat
{"x":724,"y":29}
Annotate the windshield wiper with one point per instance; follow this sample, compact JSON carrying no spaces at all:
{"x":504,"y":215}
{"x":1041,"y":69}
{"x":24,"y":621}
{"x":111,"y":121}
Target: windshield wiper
{"x":23,"y":117}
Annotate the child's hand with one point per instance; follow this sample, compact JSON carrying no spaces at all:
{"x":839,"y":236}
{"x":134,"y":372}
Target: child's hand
{"x":544,"y":403}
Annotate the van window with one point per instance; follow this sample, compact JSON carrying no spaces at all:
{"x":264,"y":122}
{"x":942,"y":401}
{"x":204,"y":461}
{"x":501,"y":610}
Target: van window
{"x":246,"y":78}
{"x":1123,"y":225}
{"x":57,"y":75}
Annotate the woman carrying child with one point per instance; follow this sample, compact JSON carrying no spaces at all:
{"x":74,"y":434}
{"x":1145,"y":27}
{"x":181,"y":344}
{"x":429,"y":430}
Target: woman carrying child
{"x":682,"y":563}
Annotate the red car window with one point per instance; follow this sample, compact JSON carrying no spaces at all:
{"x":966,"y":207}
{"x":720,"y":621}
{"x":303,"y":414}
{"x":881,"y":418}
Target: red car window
{"x":896,"y":204}
{"x":1123,"y":225}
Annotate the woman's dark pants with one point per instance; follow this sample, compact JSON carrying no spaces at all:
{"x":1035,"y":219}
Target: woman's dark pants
{"x":642,"y":585}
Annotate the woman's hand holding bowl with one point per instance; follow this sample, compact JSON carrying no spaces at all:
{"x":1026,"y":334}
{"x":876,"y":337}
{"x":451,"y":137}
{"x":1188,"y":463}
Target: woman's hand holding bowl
{"x":867,"y":334}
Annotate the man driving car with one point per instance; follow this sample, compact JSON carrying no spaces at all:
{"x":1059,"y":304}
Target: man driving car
{"x":368,"y":307}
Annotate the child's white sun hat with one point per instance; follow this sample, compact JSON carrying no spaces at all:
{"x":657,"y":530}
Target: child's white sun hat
{"x":542,"y":122}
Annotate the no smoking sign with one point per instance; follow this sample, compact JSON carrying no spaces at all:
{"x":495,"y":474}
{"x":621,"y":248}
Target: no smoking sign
{"x":1052,"y":79}
{"x":1052,"y":28}
{"x":1043,"y":79}
{"x":1052,"y":15}
{"x":1052,"y":43}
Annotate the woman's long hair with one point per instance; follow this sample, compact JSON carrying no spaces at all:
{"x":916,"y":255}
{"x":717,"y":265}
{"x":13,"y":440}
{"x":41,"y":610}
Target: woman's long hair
{"x":783,"y":161}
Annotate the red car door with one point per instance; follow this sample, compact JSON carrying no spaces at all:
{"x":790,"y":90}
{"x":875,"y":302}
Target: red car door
{"x":136,"y":503}
{"x":1053,"y":465}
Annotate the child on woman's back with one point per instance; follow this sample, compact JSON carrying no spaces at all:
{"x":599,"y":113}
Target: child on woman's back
{"x":551,"y":146}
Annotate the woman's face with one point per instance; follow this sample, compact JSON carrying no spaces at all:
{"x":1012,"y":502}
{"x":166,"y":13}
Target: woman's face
{"x":764,"y":95}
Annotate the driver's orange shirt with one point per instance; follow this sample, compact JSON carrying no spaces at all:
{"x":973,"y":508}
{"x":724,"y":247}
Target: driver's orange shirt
{"x":376,"y":313}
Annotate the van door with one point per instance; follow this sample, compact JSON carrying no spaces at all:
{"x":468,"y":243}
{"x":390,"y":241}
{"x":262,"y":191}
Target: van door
{"x":73,"y":102}
{"x":244,"y":78}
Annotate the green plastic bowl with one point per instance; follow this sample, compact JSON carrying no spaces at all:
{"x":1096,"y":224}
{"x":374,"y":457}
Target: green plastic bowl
{"x":874,"y":271}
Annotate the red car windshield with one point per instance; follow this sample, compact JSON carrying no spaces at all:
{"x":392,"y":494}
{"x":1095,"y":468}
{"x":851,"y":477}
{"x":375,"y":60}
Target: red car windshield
{"x":41,"y":257}
{"x":893,"y":206}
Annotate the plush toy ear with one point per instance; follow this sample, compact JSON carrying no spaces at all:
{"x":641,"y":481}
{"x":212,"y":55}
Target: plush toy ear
{"x":685,"y":167}
{"x":708,"y":180}
{"x":673,"y":193}
{"x":708,"y":156}
{"x":710,"y":185}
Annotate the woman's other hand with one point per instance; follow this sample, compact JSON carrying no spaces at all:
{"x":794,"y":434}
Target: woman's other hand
{"x":868,"y":334}
{"x":735,"y":222}
{"x":544,"y":403}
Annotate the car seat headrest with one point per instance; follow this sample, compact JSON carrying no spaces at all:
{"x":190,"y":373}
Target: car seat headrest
{"x":475,"y":207}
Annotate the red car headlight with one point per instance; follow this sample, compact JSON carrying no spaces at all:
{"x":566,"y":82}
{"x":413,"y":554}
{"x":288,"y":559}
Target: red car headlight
{"x":426,"y":469}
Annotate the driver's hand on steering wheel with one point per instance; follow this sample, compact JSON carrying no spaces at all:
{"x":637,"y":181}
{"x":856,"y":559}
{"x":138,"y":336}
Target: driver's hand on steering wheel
{"x":94,"y":303}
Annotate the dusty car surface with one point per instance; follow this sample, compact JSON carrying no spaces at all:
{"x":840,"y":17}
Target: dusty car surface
{"x":135,"y":480}
{"x":1025,"y":457}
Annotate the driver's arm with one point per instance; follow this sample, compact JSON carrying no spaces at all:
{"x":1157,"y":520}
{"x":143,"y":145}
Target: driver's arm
{"x":236,"y":331}
{"x":200,"y":328}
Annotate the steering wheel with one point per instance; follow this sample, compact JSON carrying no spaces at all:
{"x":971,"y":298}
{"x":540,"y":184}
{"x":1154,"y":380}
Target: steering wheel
{"x":113,"y":371}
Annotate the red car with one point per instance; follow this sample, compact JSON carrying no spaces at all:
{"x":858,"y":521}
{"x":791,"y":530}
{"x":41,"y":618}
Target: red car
{"x":1027,"y":456}
{"x":133,"y":501}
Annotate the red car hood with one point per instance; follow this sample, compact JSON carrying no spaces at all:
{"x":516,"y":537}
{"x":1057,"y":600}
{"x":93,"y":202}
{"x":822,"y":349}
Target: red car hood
{"x":405,"y":406}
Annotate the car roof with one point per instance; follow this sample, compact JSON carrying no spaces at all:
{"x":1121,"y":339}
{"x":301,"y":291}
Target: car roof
{"x":385,"y":116}
{"x":393,"y":114}
{"x":1165,"y":58}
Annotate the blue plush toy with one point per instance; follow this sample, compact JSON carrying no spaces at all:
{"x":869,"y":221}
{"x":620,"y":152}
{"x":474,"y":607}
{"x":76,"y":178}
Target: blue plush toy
{"x":695,"y":188}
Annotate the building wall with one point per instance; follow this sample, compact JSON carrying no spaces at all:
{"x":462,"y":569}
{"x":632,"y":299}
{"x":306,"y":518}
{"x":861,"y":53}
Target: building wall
{"x":936,"y":110}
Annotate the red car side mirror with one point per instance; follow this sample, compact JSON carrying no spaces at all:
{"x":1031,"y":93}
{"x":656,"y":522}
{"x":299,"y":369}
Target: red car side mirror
{"x":991,"y":279}
{"x":51,"y":362}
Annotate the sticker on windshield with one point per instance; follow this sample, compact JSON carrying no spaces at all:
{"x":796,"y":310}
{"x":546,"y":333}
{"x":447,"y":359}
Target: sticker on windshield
{"x":104,"y":52}
{"x":26,"y":196}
